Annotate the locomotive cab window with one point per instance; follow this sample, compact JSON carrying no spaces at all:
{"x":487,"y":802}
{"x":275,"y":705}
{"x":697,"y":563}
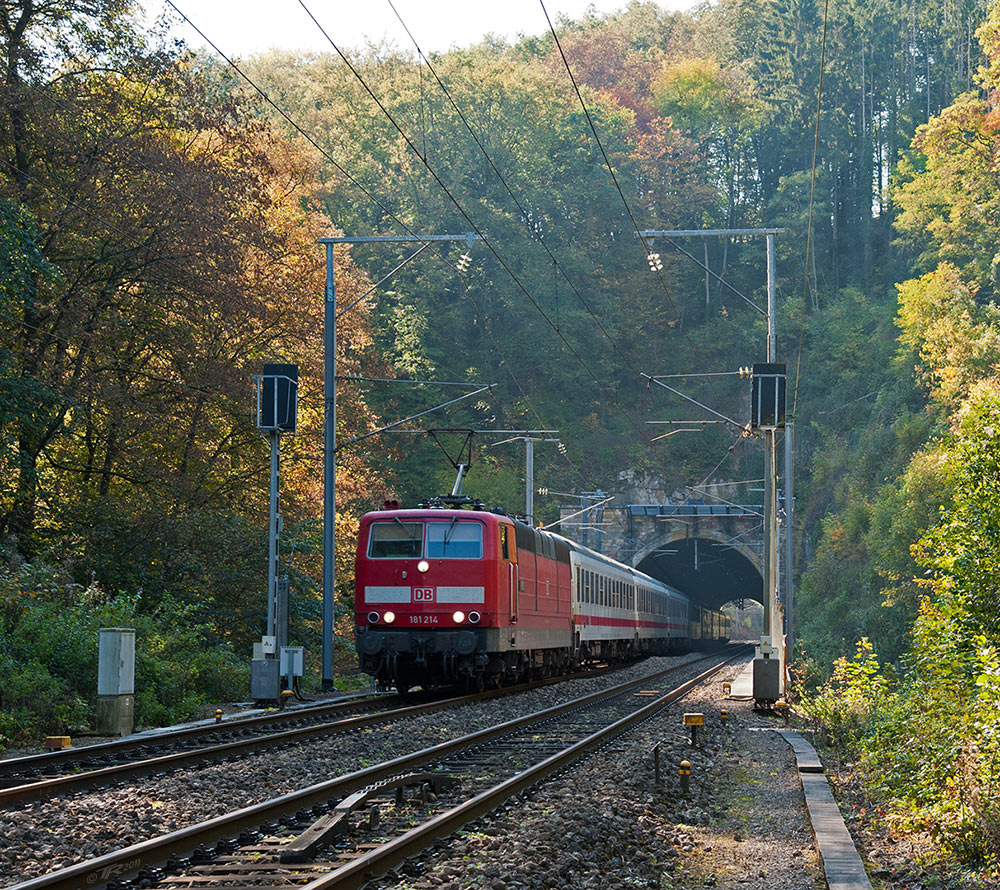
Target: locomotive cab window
{"x":395,"y":540}
{"x":458,"y":539}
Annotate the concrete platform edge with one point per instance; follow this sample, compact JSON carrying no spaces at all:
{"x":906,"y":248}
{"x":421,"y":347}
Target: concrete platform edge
{"x":842,"y":864}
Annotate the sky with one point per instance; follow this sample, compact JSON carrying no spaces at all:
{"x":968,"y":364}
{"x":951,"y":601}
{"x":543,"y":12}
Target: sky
{"x":244,"y":27}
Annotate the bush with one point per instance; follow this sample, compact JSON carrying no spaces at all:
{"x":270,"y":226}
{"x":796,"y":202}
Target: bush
{"x":49,"y":640}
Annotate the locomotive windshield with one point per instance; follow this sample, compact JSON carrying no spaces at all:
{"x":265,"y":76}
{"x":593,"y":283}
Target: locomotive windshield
{"x":455,"y":539}
{"x":399,"y":540}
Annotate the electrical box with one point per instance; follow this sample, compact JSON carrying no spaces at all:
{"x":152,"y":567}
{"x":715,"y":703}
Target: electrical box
{"x":268,"y":644}
{"x":766,"y":679}
{"x":265,"y":683}
{"x":277,"y":398}
{"x":767,"y":396}
{"x":116,"y":680}
{"x":291,"y":661}
{"x":116,"y":661}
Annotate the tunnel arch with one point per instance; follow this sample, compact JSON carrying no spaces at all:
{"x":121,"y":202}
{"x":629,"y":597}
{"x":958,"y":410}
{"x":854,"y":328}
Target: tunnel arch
{"x":709,"y":567}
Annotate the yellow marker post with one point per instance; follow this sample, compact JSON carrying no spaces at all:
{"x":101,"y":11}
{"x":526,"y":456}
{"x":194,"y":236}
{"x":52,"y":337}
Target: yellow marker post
{"x":685,"y":772}
{"x":694,"y":720}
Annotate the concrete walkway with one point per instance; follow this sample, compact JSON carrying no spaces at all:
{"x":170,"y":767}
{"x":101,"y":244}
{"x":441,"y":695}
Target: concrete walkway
{"x":742,"y":687}
{"x":841,"y":862}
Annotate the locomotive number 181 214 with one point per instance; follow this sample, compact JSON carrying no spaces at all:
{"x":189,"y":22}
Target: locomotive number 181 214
{"x":423,"y":619}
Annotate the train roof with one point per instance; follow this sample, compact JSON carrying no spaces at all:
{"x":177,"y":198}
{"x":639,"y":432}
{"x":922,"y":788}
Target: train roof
{"x":434,"y":513}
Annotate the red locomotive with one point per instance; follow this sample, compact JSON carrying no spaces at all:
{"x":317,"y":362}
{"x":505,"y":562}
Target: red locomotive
{"x":450,"y":592}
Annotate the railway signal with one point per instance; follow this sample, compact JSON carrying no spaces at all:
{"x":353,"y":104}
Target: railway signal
{"x":276,"y":398}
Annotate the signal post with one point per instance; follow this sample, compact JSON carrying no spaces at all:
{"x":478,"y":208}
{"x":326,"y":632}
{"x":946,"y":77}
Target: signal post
{"x":768,"y":416}
{"x":276,"y":396}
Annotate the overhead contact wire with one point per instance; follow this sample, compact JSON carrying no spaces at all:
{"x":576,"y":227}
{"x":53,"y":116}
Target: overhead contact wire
{"x":812,"y":194}
{"x":466,"y":216}
{"x":614,"y":176}
{"x":348,"y":176}
{"x":292,"y":123}
{"x":525,"y":216}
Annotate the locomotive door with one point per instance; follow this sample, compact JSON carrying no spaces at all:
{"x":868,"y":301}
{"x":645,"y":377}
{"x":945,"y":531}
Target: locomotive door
{"x":508,"y":553}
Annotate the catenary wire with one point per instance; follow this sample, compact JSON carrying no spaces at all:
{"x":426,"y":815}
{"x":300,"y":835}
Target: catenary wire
{"x":812,"y":193}
{"x":525,"y":216}
{"x":614,"y":176}
{"x":319,"y":148}
{"x":486,"y":241}
{"x":523,"y":212}
{"x":440,"y":255}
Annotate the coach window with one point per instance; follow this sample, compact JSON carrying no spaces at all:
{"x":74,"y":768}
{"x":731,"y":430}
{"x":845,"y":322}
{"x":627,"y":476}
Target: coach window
{"x":458,"y":539}
{"x":395,"y":540}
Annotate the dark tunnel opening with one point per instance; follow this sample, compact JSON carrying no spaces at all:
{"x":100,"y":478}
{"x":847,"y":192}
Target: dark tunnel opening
{"x":708,"y":572}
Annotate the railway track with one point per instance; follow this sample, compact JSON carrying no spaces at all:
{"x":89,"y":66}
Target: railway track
{"x":15,"y":770}
{"x":340,"y":832}
{"x":41,"y":776}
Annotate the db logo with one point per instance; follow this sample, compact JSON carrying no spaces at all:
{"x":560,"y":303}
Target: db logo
{"x":423,"y":594}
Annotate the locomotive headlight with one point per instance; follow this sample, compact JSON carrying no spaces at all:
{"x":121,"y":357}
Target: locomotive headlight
{"x":373,"y":617}
{"x":423,"y":565}
{"x":458,"y":617}
{"x":474,"y":618}
{"x":389,"y":617}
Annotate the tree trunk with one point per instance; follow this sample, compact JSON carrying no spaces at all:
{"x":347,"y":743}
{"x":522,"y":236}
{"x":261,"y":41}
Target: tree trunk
{"x":22,"y":517}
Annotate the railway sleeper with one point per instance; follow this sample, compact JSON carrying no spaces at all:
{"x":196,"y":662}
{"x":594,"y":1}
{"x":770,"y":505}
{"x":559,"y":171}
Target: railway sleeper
{"x":338,"y":821}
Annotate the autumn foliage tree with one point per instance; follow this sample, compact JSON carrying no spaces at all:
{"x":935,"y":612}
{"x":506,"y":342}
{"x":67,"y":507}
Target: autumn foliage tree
{"x":161,"y":245}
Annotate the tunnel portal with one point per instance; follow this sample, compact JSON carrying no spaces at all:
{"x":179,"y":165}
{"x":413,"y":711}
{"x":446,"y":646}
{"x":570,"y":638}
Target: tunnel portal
{"x":708,"y":571}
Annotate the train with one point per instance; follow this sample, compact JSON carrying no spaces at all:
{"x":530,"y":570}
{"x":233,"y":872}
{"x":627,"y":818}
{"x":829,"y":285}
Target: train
{"x":451,"y":593}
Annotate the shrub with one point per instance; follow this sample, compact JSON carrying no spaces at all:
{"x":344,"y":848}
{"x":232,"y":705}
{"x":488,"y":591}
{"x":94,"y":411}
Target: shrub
{"x":49,"y":640}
